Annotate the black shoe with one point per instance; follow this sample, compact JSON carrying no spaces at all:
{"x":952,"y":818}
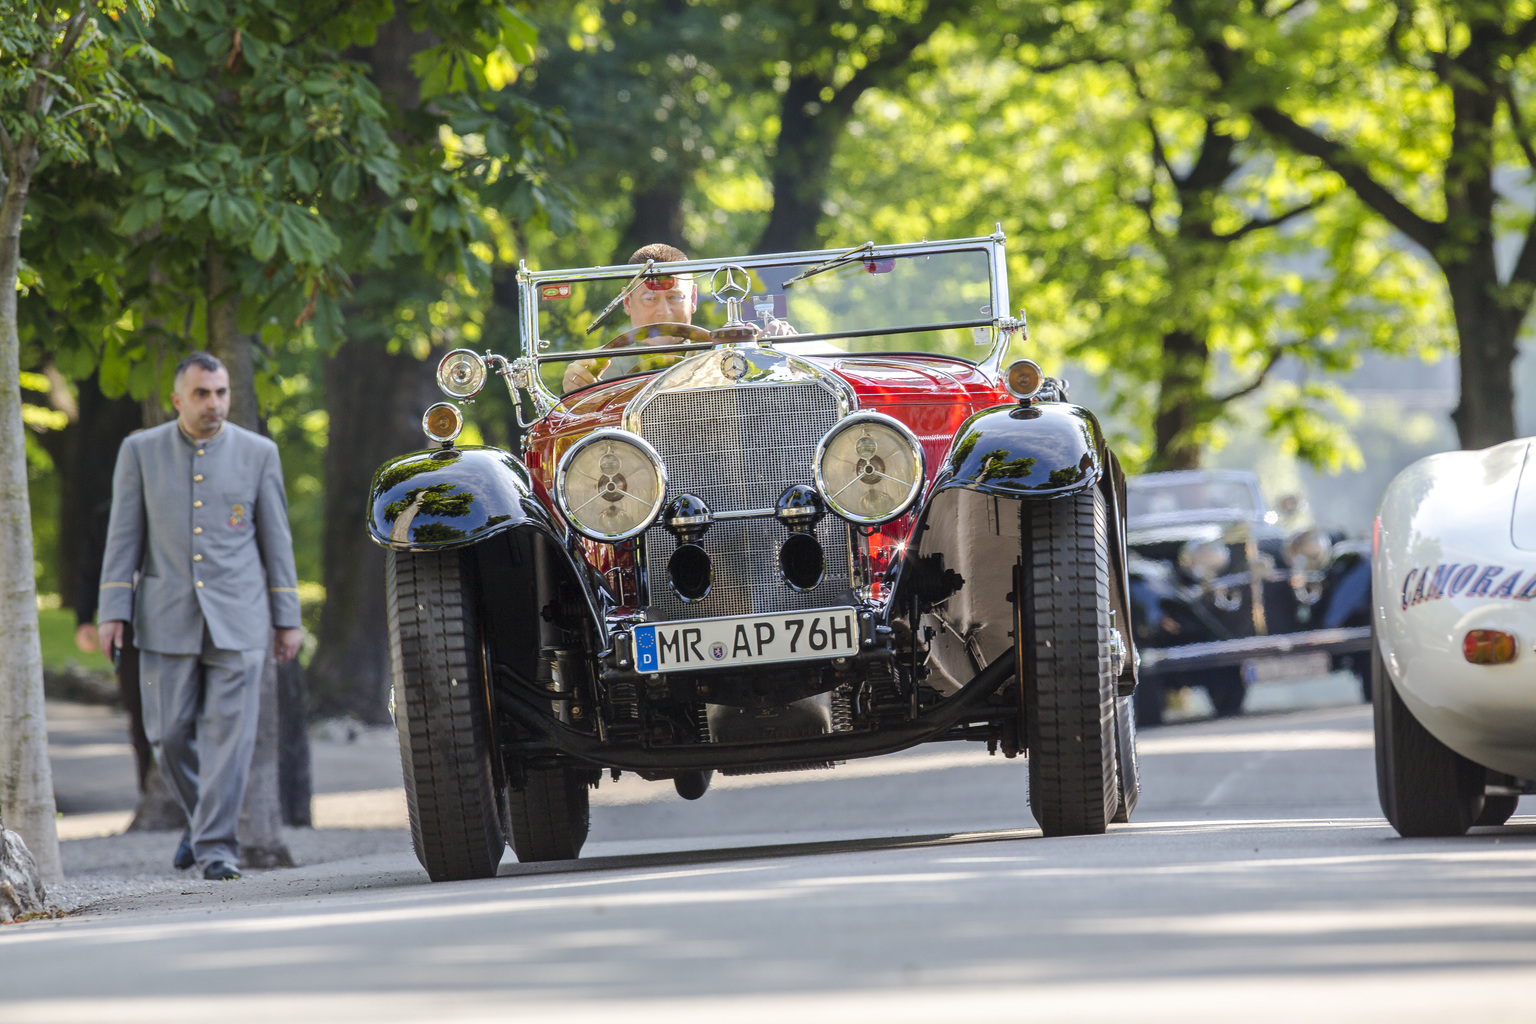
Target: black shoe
{"x":184,"y":857}
{"x":220,"y":871}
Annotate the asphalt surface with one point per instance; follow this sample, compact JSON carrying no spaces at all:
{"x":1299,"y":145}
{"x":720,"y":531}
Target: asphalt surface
{"x":1257,"y":881}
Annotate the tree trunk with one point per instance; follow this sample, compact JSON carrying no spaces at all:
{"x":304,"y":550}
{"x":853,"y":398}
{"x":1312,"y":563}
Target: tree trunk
{"x":21,"y":888}
{"x":85,"y":464}
{"x":375,"y":401}
{"x":26,"y":777}
{"x":295,"y":785}
{"x":1180,"y":392}
{"x":261,"y":837}
{"x":1489,"y":335}
{"x":656,"y":216}
{"x":802,"y":158}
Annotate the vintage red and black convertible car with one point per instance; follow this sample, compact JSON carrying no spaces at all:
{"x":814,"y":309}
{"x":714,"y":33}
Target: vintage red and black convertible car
{"x":821,"y":521}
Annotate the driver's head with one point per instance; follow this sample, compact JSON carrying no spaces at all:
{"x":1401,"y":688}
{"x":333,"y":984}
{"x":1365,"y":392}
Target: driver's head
{"x":661,"y":299}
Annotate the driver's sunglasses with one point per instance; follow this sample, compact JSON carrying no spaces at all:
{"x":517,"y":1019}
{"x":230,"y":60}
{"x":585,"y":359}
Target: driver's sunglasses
{"x":661,"y":284}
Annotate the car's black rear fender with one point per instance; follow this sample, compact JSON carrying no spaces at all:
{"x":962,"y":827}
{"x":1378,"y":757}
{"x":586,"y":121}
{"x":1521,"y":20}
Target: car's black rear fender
{"x":959,"y":564}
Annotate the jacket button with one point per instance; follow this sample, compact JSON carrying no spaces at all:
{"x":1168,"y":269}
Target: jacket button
{"x":197,"y":529}
{"x":199,"y":584}
{"x":197,"y":504}
{"x":198,"y":479}
{"x":197,"y":558}
{"x":199,"y":451}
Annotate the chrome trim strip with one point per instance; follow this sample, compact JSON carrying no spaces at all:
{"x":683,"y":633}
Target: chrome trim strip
{"x":1217,"y":653}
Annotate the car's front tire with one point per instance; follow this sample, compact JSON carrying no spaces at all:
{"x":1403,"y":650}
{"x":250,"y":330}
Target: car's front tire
{"x":1062,"y":637}
{"x":443,"y":715}
{"x":1425,"y":787}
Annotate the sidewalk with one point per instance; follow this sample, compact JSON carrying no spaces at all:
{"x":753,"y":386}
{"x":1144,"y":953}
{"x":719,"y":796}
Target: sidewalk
{"x":359,"y":808}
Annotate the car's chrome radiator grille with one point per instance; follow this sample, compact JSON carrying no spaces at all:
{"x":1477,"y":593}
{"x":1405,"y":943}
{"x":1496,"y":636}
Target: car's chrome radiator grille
{"x":738,"y":448}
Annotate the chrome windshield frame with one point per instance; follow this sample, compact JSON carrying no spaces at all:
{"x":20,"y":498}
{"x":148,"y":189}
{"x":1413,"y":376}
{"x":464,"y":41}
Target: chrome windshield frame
{"x":531,"y":352}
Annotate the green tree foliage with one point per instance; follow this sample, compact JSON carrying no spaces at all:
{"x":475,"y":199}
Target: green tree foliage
{"x":1422,"y":111}
{"x":62,"y":94}
{"x":1154,"y":239}
{"x":260,"y":141}
{"x":718,"y":119}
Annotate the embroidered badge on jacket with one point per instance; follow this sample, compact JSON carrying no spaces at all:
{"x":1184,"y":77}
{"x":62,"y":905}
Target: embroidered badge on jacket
{"x":237,"y":516}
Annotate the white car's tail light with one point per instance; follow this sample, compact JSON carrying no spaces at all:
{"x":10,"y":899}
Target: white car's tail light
{"x":1489,"y":647}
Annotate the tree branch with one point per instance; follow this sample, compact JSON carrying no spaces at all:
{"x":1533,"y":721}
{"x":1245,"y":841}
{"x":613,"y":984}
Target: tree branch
{"x":1525,"y":264}
{"x":1339,"y":158}
{"x":1518,"y":123}
{"x":1159,"y":152}
{"x":1344,"y":163}
{"x":1261,"y":223}
{"x":7,"y":149}
{"x":1275,"y":353}
{"x":1524,"y":37}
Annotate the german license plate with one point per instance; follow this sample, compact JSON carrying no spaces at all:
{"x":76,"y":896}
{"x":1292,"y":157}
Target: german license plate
{"x":1286,"y":666}
{"x":746,"y":640}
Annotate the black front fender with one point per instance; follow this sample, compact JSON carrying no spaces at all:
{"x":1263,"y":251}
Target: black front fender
{"x":1039,"y":451}
{"x":451,"y":498}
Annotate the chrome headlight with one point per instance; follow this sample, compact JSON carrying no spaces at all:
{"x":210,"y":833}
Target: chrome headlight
{"x":610,"y":485}
{"x":1309,"y":549}
{"x":1204,"y":559}
{"x":869,"y":468}
{"x":461,"y":374}
{"x":442,"y":422}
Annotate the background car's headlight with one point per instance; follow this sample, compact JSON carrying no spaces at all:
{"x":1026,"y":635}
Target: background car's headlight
{"x":1309,"y":549}
{"x":1204,"y":559}
{"x":610,"y":485}
{"x":869,"y":468}
{"x":461,"y":374}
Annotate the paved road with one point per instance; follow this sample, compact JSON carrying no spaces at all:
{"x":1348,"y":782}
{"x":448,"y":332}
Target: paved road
{"x":1256,"y":883}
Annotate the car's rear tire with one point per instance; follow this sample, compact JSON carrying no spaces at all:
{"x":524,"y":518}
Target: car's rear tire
{"x":1127,"y":767}
{"x":1151,"y":701}
{"x":1425,"y":787}
{"x":550,"y":815}
{"x":1497,"y":809}
{"x":442,"y":715}
{"x":1062,"y":637}
{"x":1227,"y":692}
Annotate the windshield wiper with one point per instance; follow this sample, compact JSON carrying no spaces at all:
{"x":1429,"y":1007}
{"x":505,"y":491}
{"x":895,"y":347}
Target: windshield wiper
{"x":835,"y":261}
{"x":608,"y":310}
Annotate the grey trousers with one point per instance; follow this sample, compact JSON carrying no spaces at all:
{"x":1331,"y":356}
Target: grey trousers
{"x":200,"y":713}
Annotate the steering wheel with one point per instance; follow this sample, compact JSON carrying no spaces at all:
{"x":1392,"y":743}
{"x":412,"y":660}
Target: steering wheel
{"x":687,"y":332}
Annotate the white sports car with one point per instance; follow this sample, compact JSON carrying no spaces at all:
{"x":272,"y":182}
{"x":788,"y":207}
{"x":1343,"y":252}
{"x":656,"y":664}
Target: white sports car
{"x":1455,"y":670}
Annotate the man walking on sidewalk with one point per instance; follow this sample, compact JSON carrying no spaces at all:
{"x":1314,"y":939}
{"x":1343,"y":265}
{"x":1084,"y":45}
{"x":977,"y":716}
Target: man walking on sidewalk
{"x":199,"y":558}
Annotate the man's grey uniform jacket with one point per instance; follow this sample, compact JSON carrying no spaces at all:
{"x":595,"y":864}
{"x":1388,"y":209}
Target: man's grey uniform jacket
{"x":204,"y":524}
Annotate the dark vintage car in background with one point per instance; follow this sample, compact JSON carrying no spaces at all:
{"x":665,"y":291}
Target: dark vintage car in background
{"x":826,"y":519}
{"x":1223,"y":597}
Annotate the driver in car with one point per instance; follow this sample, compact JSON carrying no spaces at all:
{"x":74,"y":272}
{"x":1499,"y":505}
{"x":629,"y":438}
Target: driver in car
{"x":658,"y":299}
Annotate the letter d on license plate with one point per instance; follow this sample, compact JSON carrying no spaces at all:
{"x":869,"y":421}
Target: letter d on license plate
{"x":746,"y":640}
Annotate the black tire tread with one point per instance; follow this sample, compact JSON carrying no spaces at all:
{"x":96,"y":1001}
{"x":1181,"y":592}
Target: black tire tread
{"x":550,"y":816}
{"x":1069,"y":692}
{"x":1497,"y":809}
{"x":441,"y":716}
{"x":1425,"y":787}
